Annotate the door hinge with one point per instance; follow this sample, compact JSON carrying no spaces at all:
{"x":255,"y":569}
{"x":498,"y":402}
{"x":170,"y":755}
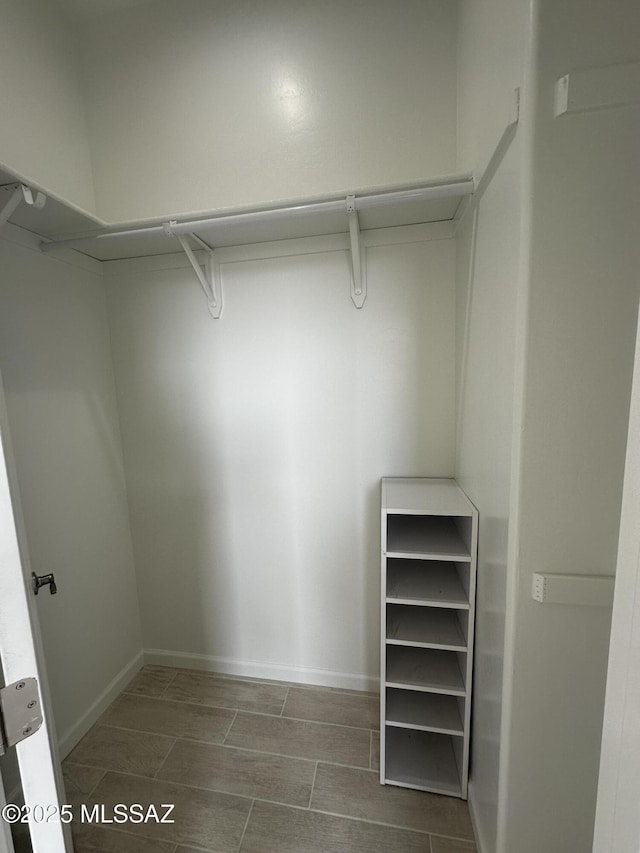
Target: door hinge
{"x":20,"y":712}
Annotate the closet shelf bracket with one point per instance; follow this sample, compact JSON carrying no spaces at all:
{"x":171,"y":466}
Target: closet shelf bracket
{"x":19,"y":193}
{"x":358,"y":261}
{"x":209,"y":278}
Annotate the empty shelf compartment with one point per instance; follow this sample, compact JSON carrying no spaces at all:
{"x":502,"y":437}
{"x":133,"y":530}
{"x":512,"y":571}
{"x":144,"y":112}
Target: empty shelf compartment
{"x":434,"y":583}
{"x":422,"y":760}
{"x":427,"y":537}
{"x":426,"y":669}
{"x":433,"y":712}
{"x":428,"y":627}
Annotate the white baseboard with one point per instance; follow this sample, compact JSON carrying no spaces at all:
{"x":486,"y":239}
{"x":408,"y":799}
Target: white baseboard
{"x":79,"y":729}
{"x":480,"y":843}
{"x":261,"y":670}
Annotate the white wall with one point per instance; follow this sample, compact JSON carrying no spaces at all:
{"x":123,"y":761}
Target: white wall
{"x":56,"y":366}
{"x":43,"y":132}
{"x":581,"y":331}
{"x":492,"y":41}
{"x":204,"y":105}
{"x":254,"y":446}
{"x":492,"y":48}
{"x":617,"y":825}
{"x":487,"y":319}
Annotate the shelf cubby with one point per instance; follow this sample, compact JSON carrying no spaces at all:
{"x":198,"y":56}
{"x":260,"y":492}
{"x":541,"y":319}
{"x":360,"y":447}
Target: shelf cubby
{"x":431,"y":584}
{"x":425,"y":538}
{"x":412,"y":625}
{"x":422,"y":760}
{"x":433,"y":712}
{"x":428,"y":581}
{"x":431,"y":670}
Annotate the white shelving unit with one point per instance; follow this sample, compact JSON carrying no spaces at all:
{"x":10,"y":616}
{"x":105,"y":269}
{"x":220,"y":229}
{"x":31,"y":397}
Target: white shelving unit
{"x":429,"y":543}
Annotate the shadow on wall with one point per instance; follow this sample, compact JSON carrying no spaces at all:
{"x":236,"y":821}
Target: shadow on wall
{"x":255,"y":444}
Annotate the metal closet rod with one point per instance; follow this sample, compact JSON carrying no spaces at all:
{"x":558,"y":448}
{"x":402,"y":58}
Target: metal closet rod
{"x":365,"y":202}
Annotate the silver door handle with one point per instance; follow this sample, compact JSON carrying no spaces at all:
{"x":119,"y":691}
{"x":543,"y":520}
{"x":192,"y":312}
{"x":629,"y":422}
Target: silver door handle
{"x":44,"y":580}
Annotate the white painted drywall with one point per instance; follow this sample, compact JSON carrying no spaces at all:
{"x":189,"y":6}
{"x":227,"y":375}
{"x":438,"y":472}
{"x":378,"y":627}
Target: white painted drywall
{"x":43,"y":132}
{"x":203,"y":105}
{"x":617,"y":824}
{"x":581,"y":331}
{"x":254,"y":446}
{"x":56,"y":366}
{"x":491,"y":49}
{"x":487,"y":301}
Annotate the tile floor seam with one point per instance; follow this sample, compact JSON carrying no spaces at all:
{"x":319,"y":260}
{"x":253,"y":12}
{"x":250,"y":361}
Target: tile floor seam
{"x":371,"y":749}
{"x":119,"y":773}
{"x":224,"y":739}
{"x":176,"y":739}
{"x":452,"y":838}
{"x":244,"y":831}
{"x":217,"y":676}
{"x":303,"y":720}
{"x":405,"y":828}
{"x":164,"y":760}
{"x":104,"y":773}
{"x":313,"y":784}
{"x":430,"y":844}
{"x":290,"y":806}
{"x":344,"y":691}
{"x":99,"y":725}
{"x":254,"y":800}
{"x":227,"y":746}
{"x":284,"y":702}
{"x":323,"y":723}
{"x":180,"y":702}
{"x":122,"y":831}
{"x":166,"y":687}
{"x":265,"y":752}
{"x":279,"y":754}
{"x":237,"y":711}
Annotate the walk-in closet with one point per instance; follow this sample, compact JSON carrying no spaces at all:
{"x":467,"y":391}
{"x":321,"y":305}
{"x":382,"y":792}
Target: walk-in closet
{"x":317,"y":325}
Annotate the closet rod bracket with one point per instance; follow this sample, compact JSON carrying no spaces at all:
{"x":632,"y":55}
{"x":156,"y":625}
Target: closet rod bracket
{"x":20,"y":193}
{"x":358,"y":262}
{"x":209,"y":278}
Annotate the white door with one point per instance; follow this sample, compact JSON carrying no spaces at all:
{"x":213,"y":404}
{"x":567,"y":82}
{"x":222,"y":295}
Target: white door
{"x":21,"y":657}
{"x":617,"y":828}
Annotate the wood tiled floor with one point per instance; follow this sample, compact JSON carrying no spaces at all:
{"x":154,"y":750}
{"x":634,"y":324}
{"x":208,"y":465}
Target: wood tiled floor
{"x":252,"y":767}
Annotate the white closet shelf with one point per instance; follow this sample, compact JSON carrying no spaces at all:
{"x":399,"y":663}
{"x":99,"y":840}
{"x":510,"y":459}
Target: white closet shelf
{"x":60,"y":222}
{"x":415,"y":496}
{"x":433,"y":712}
{"x":422,"y":760}
{"x":426,"y":584}
{"x":429,"y":670}
{"x":425,"y":538}
{"x":407,"y":626}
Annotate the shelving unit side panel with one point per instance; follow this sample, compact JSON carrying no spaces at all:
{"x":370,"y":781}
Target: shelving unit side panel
{"x":473,"y":574}
{"x":383,"y":632}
